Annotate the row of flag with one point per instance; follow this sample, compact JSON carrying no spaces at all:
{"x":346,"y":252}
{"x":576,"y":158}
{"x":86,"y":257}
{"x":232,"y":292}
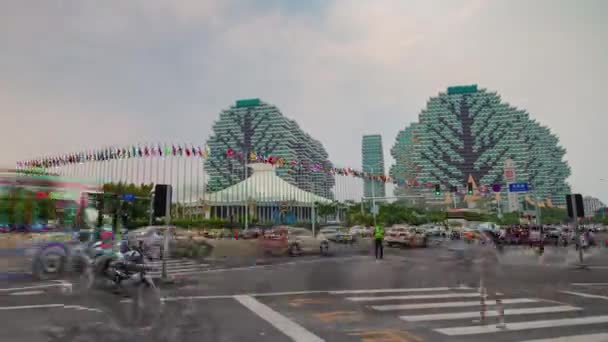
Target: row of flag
{"x":203,"y":152}
{"x":116,"y":153}
{"x":347,"y":171}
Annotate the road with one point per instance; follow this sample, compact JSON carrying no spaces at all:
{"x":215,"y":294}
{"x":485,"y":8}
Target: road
{"x":411,"y":295}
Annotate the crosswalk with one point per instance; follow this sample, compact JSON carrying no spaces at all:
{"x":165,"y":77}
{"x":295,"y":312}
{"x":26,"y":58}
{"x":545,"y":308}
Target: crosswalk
{"x":177,"y":268}
{"x":457,"y":313}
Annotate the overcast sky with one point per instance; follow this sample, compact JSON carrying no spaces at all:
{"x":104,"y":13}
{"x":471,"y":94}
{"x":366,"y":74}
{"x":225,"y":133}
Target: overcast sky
{"x":80,"y":74}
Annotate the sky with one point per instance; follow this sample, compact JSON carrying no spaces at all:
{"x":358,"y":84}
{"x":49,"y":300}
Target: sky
{"x":82,"y":74}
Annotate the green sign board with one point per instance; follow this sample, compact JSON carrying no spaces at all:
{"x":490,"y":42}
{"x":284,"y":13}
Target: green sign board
{"x":248,"y":103}
{"x":462,"y":89}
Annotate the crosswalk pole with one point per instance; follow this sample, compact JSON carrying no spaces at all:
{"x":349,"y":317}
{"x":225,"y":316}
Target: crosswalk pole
{"x":501,"y":314}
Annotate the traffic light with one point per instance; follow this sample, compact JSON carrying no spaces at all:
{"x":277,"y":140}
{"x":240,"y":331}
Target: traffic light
{"x":437,"y":189}
{"x":470,"y":188}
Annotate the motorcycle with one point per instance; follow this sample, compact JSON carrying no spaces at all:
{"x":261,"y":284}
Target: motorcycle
{"x":126,"y":265}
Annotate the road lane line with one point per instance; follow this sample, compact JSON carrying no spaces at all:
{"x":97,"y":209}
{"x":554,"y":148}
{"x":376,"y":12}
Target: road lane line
{"x":418,"y":289}
{"x":489,"y":329}
{"x":25,"y":307}
{"x":490,"y":313}
{"x":31,"y":287}
{"x":425,"y":296}
{"x":585,"y":295}
{"x":601,"y":337}
{"x":395,"y":307}
{"x":26,"y":293}
{"x":288,"y":327}
{"x":589,"y":284}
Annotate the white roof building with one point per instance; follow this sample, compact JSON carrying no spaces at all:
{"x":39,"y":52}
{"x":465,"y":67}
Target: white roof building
{"x":263,"y":186}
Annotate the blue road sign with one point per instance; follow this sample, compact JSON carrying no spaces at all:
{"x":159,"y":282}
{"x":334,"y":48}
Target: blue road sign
{"x":518,"y":187}
{"x":128,"y":197}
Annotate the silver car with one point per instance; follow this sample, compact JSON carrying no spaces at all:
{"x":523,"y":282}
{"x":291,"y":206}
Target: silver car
{"x":152,"y":239}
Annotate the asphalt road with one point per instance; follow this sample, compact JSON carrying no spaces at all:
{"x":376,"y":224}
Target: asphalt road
{"x":411,"y":295}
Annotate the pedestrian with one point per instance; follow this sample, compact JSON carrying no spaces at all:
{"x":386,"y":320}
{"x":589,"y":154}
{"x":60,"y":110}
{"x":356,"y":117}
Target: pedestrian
{"x":379,"y":239}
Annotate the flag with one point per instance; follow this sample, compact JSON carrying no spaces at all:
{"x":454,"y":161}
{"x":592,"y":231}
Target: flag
{"x":229,"y":153}
{"x":160,"y":151}
{"x":146,"y":151}
{"x":173,"y":150}
{"x":140,"y":153}
{"x":167,"y":150}
{"x":206,"y":152}
{"x":187,"y":150}
{"x":180,"y":150}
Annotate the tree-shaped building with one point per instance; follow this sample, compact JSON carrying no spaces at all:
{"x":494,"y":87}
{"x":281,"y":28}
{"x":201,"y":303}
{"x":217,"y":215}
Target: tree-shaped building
{"x":252,"y":126}
{"x":470,"y":132}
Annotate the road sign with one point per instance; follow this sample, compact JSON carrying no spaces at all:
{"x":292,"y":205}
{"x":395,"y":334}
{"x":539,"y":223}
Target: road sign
{"x":575,"y":204}
{"x":518,"y":187}
{"x":128,"y":197}
{"x":496,"y":187}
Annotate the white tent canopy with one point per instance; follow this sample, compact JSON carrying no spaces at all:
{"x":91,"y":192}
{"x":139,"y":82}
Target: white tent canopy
{"x":263,"y":186}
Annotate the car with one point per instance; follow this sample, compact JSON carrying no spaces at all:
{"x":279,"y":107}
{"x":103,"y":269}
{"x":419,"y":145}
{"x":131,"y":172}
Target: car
{"x":152,"y":238}
{"x":337,"y":235}
{"x":293,"y":241}
{"x":396,"y":236}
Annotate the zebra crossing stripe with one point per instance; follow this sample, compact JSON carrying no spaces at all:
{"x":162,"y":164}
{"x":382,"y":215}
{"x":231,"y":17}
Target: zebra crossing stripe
{"x":425,"y":296}
{"x":416,"y":289}
{"x":601,"y":337}
{"x":553,"y":323}
{"x":490,"y":313}
{"x":396,"y":307}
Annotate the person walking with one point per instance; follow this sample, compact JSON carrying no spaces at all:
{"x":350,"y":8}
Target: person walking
{"x":379,"y":239}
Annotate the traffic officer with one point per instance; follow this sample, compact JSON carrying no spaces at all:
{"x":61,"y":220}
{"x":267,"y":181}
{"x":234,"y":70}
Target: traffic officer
{"x":379,"y":239}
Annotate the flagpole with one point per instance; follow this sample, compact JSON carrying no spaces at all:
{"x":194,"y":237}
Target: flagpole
{"x":184,"y":185}
{"x":198,"y":169}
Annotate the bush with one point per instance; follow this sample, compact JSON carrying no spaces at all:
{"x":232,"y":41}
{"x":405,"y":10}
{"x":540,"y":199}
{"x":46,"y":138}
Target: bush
{"x":199,"y":223}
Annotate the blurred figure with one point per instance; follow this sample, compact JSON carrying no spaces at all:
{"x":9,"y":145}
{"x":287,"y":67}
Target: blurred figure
{"x":378,"y":241}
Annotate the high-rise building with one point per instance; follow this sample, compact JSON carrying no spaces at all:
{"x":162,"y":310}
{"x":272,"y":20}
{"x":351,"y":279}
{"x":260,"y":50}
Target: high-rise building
{"x":252,"y":126}
{"x":470,"y":132}
{"x":373,"y":162}
{"x":592,"y":205}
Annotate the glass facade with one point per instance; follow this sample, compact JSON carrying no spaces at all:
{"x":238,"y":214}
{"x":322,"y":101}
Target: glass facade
{"x":373,"y":161}
{"x":470,"y":132}
{"x":252,"y":126}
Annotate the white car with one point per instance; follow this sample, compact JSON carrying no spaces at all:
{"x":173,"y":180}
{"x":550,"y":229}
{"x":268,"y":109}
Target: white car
{"x":152,"y":238}
{"x":406,"y":236}
{"x":302,"y":241}
{"x":336,"y":234}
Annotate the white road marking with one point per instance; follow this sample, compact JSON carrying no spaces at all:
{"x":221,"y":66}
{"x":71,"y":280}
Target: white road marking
{"x":489,"y":313}
{"x":419,"y":289}
{"x":27,"y":293}
{"x":395,"y":307}
{"x":288,"y":327}
{"x":175,"y":299}
{"x":80,"y":307}
{"x":267,"y":294}
{"x":589,"y":284}
{"x":488,"y":329}
{"x":288,"y":293}
{"x":425,"y":296}
{"x":585,"y":295}
{"x":31,"y":287}
{"x":601,"y":337}
{"x":26,"y":307}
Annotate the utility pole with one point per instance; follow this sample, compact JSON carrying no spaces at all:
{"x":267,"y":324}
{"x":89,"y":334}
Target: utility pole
{"x":373,"y":197}
{"x":246,"y":196}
